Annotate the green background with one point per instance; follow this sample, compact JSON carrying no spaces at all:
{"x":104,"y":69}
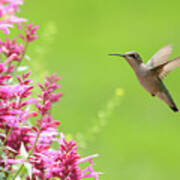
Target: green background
{"x":140,"y":138}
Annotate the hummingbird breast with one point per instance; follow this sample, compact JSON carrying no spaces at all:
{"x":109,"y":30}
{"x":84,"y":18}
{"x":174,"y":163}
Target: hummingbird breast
{"x":148,"y":79}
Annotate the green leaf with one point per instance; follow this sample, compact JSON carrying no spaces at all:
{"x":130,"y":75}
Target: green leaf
{"x":23,"y":151}
{"x":18,"y":178}
{"x":27,"y":57}
{"x":29,"y":169}
{"x":11,"y":149}
{"x":22,"y":68}
{"x":4,"y":156}
{"x":37,"y":178}
{"x":2,"y":176}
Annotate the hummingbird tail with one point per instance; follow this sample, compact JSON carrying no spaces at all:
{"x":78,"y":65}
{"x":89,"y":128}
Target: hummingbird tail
{"x":166,"y":97}
{"x":174,"y":108}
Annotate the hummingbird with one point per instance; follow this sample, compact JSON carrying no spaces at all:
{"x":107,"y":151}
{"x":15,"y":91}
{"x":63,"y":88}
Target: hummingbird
{"x":151,"y":74}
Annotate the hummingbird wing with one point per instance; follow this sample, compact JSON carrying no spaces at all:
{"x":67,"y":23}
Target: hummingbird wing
{"x":166,"y":68}
{"x":160,"y":57}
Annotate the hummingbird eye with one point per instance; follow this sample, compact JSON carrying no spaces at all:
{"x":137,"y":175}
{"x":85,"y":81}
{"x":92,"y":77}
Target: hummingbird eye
{"x":133,"y":56}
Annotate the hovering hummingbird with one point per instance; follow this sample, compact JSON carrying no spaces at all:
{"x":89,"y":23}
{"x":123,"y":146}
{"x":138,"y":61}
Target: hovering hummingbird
{"x":151,"y":74}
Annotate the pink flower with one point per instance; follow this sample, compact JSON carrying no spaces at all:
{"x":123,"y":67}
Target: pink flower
{"x":5,"y":28}
{"x":30,"y":33}
{"x":48,"y":97}
{"x":18,"y":136}
{"x":62,"y":163}
{"x":46,"y":163}
{"x":9,"y":48}
{"x":8,"y":9}
{"x":11,"y":161}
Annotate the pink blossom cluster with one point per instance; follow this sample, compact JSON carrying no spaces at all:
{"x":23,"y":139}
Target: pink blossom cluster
{"x":62,"y":163}
{"x":8,"y":18}
{"x":47,"y":163}
{"x":14,"y":51}
{"x":14,"y":115}
{"x":19,"y":107}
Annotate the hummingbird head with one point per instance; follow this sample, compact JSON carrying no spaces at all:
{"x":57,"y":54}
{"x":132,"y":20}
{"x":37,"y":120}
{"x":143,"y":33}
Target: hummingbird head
{"x":130,"y":56}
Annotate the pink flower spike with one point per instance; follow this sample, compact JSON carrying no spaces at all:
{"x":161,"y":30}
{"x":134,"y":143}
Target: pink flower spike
{"x":5,"y":28}
{"x":10,"y":58}
{"x":13,"y":161}
{"x":9,"y":48}
{"x":8,"y":8}
{"x":30,"y":33}
{"x":89,"y":158}
{"x":17,"y":20}
{"x":26,"y":75}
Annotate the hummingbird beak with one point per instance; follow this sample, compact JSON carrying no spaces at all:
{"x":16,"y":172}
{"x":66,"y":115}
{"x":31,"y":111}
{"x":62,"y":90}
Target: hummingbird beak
{"x":114,"y":54}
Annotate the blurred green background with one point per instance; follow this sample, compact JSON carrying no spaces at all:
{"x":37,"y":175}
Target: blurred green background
{"x":139,"y":139}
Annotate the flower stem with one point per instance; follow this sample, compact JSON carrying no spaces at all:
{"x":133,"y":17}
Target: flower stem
{"x":30,"y":152}
{"x":22,"y":57}
{"x":9,"y":132}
